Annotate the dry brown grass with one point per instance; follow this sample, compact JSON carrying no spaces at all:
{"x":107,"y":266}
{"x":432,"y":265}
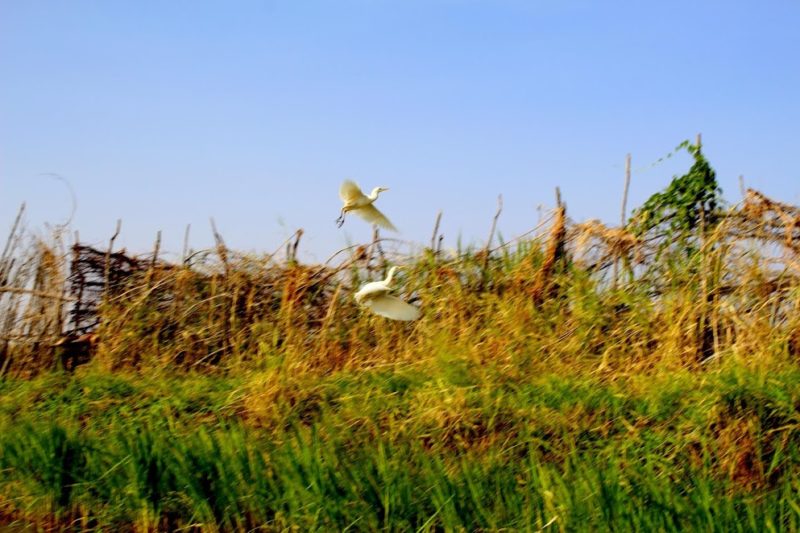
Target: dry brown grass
{"x":548,"y":297}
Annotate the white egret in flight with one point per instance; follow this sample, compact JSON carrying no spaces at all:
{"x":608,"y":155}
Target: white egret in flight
{"x":375,"y":296}
{"x":361,"y":204}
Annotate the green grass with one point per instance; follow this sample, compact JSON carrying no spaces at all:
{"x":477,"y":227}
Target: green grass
{"x":461,"y":447}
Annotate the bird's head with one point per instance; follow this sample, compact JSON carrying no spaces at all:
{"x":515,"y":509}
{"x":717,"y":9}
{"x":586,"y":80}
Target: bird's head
{"x":390,"y":275}
{"x":377,"y":190}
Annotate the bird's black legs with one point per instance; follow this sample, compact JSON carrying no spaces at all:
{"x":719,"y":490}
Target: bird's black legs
{"x":340,"y":220}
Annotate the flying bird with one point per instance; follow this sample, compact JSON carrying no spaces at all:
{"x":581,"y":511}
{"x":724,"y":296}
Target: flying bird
{"x":375,"y":297}
{"x":362,"y":205}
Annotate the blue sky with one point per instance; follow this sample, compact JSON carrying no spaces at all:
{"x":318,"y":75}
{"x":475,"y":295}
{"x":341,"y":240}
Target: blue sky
{"x":167,"y":113}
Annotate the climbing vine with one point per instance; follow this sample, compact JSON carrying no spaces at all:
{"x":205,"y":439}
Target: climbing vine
{"x":675,"y":214}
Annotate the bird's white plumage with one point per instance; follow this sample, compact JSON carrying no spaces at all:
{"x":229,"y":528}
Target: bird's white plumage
{"x":371,"y":214}
{"x":350,"y":192}
{"x":390,"y":306}
{"x":370,"y":290}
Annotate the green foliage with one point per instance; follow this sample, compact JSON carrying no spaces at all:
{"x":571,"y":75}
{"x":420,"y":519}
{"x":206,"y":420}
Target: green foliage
{"x":677,"y":211}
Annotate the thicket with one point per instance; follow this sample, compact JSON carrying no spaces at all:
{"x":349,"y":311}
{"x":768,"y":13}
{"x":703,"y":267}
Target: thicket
{"x":542,"y":388}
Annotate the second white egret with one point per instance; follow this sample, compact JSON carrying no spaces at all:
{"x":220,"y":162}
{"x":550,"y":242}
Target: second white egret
{"x":375,"y":297}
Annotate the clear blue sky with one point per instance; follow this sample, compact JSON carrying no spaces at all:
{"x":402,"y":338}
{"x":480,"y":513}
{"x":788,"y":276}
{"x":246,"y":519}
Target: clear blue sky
{"x":166,"y":113}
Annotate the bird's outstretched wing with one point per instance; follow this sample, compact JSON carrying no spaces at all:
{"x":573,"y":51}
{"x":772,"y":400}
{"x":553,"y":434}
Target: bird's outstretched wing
{"x":371,"y":214}
{"x":350,"y":191}
{"x":392,"y":307}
